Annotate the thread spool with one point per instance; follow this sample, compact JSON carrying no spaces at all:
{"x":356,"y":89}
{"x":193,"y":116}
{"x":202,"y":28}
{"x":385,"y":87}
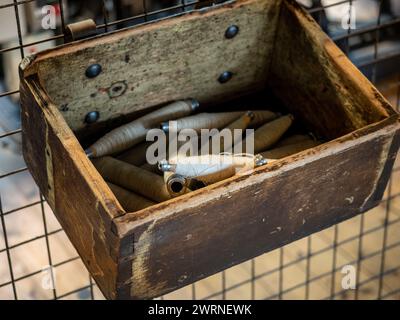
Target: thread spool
{"x":261,"y":117}
{"x":131,"y":202}
{"x":209,"y":176}
{"x":133,"y":178}
{"x":288,"y":150}
{"x":136,"y":155}
{"x":151,"y":168}
{"x":269,"y":134}
{"x":241,"y":123}
{"x":209,"y":168}
{"x":177,"y":185}
{"x":204,"y":121}
{"x":130,"y":134}
{"x":215,"y":177}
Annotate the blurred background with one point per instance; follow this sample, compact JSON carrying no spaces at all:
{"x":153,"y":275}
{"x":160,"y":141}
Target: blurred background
{"x":34,"y":249}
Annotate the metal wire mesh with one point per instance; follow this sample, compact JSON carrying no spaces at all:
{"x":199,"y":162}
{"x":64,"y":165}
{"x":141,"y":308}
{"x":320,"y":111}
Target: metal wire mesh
{"x":308,"y":269}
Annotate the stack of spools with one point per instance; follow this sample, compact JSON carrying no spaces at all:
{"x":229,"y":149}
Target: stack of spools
{"x":120,"y":156}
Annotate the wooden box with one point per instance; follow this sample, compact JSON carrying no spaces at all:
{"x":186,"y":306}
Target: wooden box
{"x":157,"y":250}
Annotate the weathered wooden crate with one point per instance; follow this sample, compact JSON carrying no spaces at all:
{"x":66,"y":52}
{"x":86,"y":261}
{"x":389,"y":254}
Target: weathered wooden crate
{"x":172,"y":244}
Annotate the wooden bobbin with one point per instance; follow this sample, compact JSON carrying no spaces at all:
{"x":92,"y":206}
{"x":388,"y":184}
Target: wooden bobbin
{"x":204,"y":121}
{"x":270,"y":133}
{"x":151,"y":168}
{"x":176,"y":184}
{"x":261,"y":117}
{"x":132,"y":133}
{"x":241,"y":123}
{"x":133,"y":178}
{"x":136,"y":155}
{"x":80,"y":30}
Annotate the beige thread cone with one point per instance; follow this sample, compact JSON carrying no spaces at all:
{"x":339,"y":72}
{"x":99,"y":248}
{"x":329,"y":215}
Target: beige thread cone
{"x":241,"y":123}
{"x":136,"y":155}
{"x":218,"y":176}
{"x":263,"y":116}
{"x":205,"y":121}
{"x":270,"y":133}
{"x":134,"y":132}
{"x":130,"y":201}
{"x":209,"y":168}
{"x":151,"y":168}
{"x":135,"y":179}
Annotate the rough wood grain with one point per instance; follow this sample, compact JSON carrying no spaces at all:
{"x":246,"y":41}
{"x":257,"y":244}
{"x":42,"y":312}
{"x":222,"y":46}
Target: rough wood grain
{"x":288,"y":202}
{"x":75,"y":191}
{"x":172,"y":60}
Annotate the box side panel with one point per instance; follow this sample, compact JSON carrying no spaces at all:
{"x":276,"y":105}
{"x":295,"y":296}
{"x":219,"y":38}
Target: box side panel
{"x":174,"y":59}
{"x":83,"y":210}
{"x":326,"y":90}
{"x":229,"y":224}
{"x":34,"y":128}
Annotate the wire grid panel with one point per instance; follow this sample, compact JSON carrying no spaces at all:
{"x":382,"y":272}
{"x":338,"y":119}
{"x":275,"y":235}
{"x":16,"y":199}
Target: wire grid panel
{"x":37,"y":261}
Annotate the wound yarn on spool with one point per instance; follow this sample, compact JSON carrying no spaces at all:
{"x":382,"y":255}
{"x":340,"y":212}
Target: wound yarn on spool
{"x":270,"y":133}
{"x":135,"y":155}
{"x":261,"y":117}
{"x":133,"y":178}
{"x":241,"y":123}
{"x":132,"y":133}
{"x":209,"y":168}
{"x":204,"y":121}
